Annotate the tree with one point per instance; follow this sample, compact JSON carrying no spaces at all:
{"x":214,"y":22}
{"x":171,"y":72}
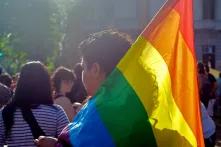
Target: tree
{"x":11,"y":59}
{"x":84,"y":17}
{"x":35,"y":23}
{"x":77,"y":14}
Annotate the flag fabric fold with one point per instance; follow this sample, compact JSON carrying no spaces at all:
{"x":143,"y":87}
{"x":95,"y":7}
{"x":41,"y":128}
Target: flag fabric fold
{"x":151,"y":98}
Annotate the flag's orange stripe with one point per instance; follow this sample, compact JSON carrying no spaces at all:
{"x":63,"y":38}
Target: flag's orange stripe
{"x":167,"y":38}
{"x":184,"y":87}
{"x":164,"y":11}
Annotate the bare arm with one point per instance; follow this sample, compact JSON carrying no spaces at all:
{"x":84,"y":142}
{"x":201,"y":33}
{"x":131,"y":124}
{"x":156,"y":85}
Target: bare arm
{"x":65,"y":103}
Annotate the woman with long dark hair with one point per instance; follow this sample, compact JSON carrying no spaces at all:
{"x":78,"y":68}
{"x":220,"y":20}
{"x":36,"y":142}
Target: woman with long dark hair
{"x":63,"y":80}
{"x":31,"y":113}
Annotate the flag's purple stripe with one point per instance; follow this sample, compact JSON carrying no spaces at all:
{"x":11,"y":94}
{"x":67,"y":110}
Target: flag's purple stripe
{"x":88,"y":129}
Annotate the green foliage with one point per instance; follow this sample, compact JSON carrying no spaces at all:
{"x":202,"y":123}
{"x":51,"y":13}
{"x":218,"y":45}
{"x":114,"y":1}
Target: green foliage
{"x":38,"y":28}
{"x":11,"y":59}
{"x":36,"y":23}
{"x":51,"y":61}
{"x":77,"y":15}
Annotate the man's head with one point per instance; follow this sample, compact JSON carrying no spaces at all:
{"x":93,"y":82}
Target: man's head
{"x":100,"y":53}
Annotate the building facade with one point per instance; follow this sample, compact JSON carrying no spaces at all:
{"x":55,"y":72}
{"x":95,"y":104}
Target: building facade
{"x":132,"y":16}
{"x":208,"y":31}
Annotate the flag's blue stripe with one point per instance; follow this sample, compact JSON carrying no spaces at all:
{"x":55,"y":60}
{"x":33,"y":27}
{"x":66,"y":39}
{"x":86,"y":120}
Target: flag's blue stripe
{"x":88,"y":130}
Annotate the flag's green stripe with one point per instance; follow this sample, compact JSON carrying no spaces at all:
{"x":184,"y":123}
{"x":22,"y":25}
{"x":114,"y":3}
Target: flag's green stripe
{"x":123,"y":114}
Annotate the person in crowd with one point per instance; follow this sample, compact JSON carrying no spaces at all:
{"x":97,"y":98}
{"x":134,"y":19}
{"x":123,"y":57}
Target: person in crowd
{"x":209,"y":128}
{"x":211,"y":78}
{"x":203,"y":84}
{"x":100,"y":52}
{"x":31,"y":112}
{"x":6,"y":79}
{"x":5,"y":90}
{"x":212,"y":96}
{"x":5,"y":95}
{"x":14,"y":81}
{"x":219,"y":89}
{"x":63,"y":80}
{"x":78,"y":92}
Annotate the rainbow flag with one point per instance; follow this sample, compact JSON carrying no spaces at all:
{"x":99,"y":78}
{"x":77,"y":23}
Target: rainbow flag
{"x":151,"y":98}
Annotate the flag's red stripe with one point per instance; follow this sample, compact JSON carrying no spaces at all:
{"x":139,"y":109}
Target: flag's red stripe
{"x":185,"y":10}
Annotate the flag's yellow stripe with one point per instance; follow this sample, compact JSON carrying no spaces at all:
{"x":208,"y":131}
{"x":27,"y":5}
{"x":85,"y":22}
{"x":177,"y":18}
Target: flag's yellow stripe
{"x":168,"y":40}
{"x":164,"y":36}
{"x":152,"y":84}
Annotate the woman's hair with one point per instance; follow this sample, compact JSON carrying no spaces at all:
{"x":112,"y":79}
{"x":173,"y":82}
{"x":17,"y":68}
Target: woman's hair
{"x":78,"y":71}
{"x":205,"y":91}
{"x":34,"y":86}
{"x":60,"y":74}
{"x":33,"y":89}
{"x":78,"y":92}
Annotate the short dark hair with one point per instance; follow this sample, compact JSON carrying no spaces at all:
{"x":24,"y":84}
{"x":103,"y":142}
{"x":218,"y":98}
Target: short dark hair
{"x":6,"y":79}
{"x":34,"y":86}
{"x":5,"y":95}
{"x":61,"y":73}
{"x":201,"y":68}
{"x":78,"y":70}
{"x":105,"y":48}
